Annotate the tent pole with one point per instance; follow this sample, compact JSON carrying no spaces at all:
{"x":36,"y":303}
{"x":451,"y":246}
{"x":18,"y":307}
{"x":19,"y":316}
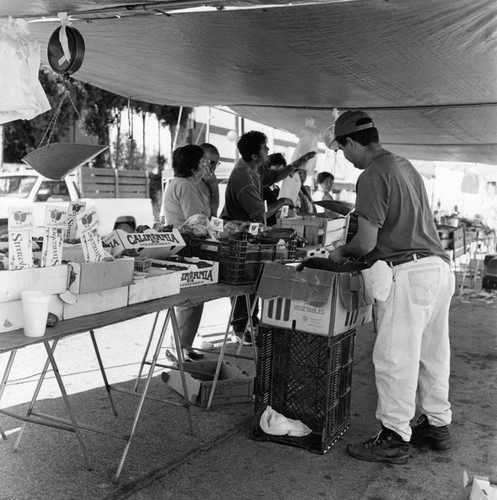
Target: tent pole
{"x":176,"y":132}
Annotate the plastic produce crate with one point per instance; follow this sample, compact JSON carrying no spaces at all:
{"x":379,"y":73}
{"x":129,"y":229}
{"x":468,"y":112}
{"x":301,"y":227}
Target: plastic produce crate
{"x":304,"y":377}
{"x":239,"y":260}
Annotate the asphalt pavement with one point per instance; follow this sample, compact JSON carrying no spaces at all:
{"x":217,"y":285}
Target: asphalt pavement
{"x":165,"y":461}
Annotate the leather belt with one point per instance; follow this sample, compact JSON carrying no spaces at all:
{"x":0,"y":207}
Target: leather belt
{"x":410,"y":258}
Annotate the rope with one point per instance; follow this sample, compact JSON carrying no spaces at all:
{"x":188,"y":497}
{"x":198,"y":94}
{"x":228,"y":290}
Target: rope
{"x":51,"y":124}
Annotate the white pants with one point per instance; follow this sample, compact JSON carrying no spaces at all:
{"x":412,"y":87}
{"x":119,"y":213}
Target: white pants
{"x":412,"y":353}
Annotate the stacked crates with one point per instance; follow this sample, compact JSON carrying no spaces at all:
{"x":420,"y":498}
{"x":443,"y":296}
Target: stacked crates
{"x":304,"y":377}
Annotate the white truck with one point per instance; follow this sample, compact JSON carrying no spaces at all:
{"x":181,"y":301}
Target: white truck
{"x":121,"y":197}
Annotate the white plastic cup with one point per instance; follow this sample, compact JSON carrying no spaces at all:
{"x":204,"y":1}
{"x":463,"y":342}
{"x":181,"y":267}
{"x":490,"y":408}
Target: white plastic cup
{"x":35,"y":313}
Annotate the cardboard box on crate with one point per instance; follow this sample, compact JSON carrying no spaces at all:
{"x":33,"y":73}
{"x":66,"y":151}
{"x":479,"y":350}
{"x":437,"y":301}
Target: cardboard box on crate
{"x":319,"y":231}
{"x":312,"y":300}
{"x":193,"y":271}
{"x":150,"y":244}
{"x":233,"y":386}
{"x":304,"y":377}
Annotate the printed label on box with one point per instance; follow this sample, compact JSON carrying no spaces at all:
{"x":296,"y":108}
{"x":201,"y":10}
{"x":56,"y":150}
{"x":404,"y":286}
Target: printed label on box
{"x":75,"y":208}
{"x":53,"y":236}
{"x":217,"y":224}
{"x":88,"y":223}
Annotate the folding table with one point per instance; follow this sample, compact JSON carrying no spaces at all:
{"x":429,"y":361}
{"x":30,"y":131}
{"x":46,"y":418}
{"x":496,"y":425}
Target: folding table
{"x":12,"y":341}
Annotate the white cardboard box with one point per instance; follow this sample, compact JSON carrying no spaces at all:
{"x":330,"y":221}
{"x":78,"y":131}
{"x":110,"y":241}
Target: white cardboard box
{"x":96,"y":302}
{"x":312,"y":300}
{"x":233,"y":386}
{"x":151,"y":244}
{"x":51,"y":280}
{"x":95,"y":276}
{"x":11,"y":316}
{"x":194,"y":272}
{"x":156,"y":285}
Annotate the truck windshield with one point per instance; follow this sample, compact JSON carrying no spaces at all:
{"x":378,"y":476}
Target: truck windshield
{"x":16,"y":186}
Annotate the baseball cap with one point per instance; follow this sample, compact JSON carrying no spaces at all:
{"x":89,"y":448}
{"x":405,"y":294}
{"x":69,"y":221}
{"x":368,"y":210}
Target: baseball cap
{"x":346,"y":123}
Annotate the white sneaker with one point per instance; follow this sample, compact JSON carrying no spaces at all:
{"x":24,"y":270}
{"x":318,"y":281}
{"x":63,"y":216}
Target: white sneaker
{"x":207,"y":346}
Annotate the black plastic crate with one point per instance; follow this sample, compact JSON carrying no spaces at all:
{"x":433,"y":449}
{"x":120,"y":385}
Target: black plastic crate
{"x":305,"y":377}
{"x":239,"y":260}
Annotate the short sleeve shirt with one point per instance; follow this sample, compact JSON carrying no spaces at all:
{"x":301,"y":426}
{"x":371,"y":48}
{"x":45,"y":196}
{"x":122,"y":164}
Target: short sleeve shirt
{"x":182,"y":199}
{"x":391,"y":195}
{"x":243,"y":198}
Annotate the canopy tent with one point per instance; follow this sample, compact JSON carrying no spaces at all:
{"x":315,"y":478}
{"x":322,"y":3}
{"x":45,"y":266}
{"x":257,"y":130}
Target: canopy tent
{"x":425,"y":70}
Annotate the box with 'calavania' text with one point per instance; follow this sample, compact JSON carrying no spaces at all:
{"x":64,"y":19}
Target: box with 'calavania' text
{"x":149,"y":244}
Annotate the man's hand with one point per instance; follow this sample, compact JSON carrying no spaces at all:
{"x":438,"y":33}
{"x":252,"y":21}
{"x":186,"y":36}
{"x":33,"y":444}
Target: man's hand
{"x":300,"y":161}
{"x":287,"y":201}
{"x":337,"y":255}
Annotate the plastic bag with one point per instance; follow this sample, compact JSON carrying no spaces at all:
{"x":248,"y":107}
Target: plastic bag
{"x":308,"y":141}
{"x":198,"y":225}
{"x":276,"y":424}
{"x":22,"y":95}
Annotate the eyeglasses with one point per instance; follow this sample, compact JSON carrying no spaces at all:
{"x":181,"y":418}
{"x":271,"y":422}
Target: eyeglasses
{"x":214,"y":163}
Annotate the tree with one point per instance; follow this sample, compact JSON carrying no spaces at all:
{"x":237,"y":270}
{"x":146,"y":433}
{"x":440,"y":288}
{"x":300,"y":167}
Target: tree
{"x":98,"y":110}
{"x":23,"y":136}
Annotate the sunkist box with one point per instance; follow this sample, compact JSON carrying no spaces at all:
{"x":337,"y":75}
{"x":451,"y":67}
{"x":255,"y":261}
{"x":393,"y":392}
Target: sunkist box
{"x":233,"y":385}
{"x":312,"y":300}
{"x":150,"y":244}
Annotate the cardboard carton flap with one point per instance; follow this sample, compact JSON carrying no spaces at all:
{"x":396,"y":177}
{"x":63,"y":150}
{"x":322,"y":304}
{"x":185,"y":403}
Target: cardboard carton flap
{"x":352,"y":291}
{"x":310,"y":285}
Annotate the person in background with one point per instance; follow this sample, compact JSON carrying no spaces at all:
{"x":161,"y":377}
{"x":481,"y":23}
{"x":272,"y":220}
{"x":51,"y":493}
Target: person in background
{"x":270,"y":193}
{"x":324,"y":184}
{"x":411,"y":353}
{"x":209,"y":184}
{"x":243,"y":202}
{"x":304,"y":205}
{"x":182,"y":199}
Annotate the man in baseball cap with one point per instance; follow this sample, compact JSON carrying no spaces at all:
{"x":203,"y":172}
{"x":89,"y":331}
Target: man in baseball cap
{"x":348,"y":123}
{"x":412,"y":353}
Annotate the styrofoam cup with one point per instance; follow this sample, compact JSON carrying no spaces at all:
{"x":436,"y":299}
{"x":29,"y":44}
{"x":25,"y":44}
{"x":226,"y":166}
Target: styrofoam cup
{"x":35,"y":312}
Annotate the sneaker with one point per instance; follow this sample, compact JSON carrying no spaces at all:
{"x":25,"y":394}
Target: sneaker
{"x":425,"y":433}
{"x":386,"y":446}
{"x":207,"y":346}
{"x":191,"y":355}
{"x":171,"y":357}
{"x":244,"y":339}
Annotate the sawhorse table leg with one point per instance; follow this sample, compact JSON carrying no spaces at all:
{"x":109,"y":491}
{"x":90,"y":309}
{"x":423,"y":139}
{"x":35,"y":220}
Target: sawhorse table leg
{"x":5,"y":377}
{"x":170,"y":315}
{"x":73,"y":422}
{"x":249,"y":326}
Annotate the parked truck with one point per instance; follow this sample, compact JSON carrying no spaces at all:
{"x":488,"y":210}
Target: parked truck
{"x":121,"y":197}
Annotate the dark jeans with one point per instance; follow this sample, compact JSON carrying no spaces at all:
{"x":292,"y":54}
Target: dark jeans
{"x":240,"y":314}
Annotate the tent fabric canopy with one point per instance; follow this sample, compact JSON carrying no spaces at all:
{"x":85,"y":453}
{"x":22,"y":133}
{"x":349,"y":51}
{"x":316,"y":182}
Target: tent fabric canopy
{"x":426,"y":71}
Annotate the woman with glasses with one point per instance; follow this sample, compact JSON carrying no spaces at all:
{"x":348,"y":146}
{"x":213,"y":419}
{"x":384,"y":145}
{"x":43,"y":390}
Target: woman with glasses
{"x":182,"y":199}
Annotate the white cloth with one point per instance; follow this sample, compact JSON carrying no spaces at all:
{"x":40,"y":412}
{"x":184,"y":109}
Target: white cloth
{"x":275,"y":423}
{"x":412,"y":352}
{"x":378,"y":280}
{"x":22,"y":97}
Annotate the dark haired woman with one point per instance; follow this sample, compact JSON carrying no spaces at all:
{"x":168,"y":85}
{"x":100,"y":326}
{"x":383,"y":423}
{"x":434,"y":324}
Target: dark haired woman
{"x":182,"y":199}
